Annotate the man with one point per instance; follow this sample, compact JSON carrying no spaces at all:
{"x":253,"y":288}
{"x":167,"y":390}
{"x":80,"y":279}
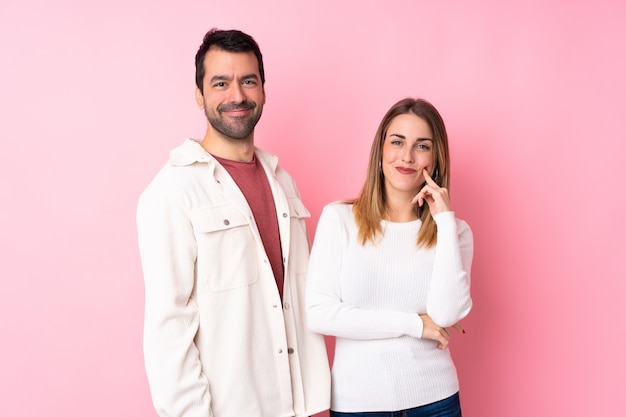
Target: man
{"x":224,"y":251}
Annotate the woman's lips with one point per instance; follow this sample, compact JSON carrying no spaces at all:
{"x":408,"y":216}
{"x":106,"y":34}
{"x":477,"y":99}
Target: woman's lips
{"x":403,"y":170}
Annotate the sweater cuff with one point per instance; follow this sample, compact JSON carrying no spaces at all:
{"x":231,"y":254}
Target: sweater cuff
{"x":445,"y":219}
{"x":415,"y":325}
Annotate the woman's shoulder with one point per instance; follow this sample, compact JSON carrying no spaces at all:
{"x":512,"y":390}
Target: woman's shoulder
{"x":339,"y":205}
{"x":462,"y":224}
{"x":464,"y":231}
{"x":338,"y":209}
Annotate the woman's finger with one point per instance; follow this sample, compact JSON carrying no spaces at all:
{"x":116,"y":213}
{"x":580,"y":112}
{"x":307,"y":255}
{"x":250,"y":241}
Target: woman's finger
{"x":445,"y":332}
{"x":459,"y":328}
{"x":419,"y":198}
{"x":429,"y":179}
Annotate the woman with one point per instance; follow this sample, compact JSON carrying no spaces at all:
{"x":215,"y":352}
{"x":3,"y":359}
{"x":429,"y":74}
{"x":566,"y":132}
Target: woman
{"x":389,"y":273}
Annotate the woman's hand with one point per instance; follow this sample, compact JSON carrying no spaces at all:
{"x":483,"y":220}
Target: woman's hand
{"x":434,"y":332}
{"x":436,"y":197}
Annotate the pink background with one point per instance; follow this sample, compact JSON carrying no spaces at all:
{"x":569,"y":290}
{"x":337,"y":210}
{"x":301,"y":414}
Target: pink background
{"x":93,"y":94}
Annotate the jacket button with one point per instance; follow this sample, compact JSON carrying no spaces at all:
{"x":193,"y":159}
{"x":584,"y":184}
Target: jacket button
{"x":286,"y":306}
{"x":290,"y":350}
{"x":280,"y":351}
{"x":284,"y":214}
{"x":226,"y":222}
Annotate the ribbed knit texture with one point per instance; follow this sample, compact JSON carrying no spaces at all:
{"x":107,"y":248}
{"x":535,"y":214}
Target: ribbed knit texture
{"x":370,"y":297}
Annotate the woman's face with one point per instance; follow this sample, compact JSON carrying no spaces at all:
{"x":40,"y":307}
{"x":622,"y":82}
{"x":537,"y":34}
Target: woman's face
{"x":407,"y":150}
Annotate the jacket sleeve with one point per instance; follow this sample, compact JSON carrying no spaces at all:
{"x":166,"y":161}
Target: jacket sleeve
{"x":449,"y":296}
{"x":326,"y":312}
{"x":168,"y":251}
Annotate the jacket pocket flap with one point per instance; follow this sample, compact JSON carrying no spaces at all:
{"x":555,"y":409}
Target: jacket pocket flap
{"x":297,"y":209}
{"x":218,"y":218}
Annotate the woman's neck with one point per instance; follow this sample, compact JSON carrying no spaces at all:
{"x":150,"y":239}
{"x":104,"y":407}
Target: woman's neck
{"x":399,"y":210}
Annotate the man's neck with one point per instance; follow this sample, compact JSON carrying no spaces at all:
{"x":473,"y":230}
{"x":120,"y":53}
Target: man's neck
{"x":241,"y":150}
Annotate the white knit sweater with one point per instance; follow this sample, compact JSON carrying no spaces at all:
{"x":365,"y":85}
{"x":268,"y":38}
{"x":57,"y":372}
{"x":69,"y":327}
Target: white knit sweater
{"x":370,"y":296}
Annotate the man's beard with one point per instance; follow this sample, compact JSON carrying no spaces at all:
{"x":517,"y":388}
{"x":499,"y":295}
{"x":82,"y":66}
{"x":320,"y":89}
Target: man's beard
{"x":241,"y":127}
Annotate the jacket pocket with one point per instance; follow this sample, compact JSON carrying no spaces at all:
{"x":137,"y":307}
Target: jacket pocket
{"x":227,"y":253}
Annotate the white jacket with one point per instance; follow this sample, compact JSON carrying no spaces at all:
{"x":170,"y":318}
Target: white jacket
{"x":217,"y":341}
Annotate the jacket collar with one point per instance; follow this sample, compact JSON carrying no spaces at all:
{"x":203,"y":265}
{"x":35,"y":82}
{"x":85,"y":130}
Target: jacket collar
{"x":191,"y":152}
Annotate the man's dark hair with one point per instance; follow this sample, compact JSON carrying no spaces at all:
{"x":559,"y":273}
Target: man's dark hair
{"x":229,"y":41}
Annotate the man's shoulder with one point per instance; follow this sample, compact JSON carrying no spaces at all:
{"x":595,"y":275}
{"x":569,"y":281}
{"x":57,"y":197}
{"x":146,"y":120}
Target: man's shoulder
{"x":188,"y":153}
{"x":181,"y":169}
{"x":285,"y":179}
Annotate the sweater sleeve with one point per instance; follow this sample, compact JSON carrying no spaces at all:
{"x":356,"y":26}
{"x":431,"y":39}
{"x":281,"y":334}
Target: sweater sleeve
{"x":168,"y":250}
{"x":449,"y":296}
{"x":327,"y":313}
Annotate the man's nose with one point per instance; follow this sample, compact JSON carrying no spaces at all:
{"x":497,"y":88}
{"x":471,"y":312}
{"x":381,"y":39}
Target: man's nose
{"x":236,"y":93}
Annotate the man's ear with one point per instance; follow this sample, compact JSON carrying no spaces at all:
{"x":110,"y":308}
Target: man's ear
{"x":199,"y":98}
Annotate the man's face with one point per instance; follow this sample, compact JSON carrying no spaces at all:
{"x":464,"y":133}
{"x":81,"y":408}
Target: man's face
{"x":233,"y":95}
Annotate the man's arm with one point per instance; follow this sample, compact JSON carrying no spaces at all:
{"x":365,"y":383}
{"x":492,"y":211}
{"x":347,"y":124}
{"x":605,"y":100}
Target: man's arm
{"x":168,"y":251}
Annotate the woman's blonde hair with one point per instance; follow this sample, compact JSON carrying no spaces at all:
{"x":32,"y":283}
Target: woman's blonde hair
{"x":369,"y":207}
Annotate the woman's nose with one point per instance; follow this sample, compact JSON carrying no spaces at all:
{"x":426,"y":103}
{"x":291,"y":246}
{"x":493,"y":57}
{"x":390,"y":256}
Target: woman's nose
{"x":407,"y":156}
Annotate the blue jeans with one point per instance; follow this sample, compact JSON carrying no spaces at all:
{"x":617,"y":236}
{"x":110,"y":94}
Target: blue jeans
{"x":449,"y":407}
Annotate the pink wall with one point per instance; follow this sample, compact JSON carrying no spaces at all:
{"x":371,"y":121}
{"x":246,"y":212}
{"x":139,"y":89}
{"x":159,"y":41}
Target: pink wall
{"x":94,"y":94}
